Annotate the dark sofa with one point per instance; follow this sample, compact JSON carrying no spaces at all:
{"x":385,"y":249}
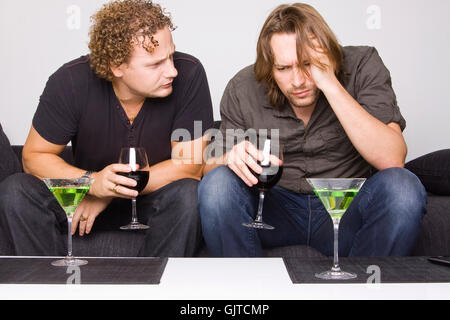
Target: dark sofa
{"x":434,"y":238}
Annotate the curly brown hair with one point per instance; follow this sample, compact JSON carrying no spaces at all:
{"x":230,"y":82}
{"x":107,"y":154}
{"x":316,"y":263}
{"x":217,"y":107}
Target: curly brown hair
{"x":120,"y":24}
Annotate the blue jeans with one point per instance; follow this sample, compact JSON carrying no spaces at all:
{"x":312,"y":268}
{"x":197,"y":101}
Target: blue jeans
{"x":383,"y":220}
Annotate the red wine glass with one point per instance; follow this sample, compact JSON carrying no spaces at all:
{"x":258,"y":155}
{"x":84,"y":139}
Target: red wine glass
{"x":137,"y":159}
{"x":269,"y":177}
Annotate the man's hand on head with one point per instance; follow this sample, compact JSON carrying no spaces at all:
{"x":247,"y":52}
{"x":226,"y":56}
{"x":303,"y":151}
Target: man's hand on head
{"x":321,"y":68}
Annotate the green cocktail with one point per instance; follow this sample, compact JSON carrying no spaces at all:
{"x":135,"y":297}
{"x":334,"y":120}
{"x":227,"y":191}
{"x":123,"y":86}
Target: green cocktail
{"x":336,"y":202}
{"x":69,"y":193}
{"x":69,"y":197}
{"x":336,"y":196}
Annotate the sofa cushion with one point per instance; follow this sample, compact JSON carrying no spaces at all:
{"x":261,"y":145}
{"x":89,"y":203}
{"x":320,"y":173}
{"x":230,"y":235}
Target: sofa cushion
{"x":108,"y":244}
{"x":298,"y":251}
{"x":433,"y":170}
{"x":9,"y":163}
{"x":434,"y":236}
{"x":111,"y":244}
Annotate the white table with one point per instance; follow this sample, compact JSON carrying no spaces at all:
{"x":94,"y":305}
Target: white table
{"x":227,"y":279}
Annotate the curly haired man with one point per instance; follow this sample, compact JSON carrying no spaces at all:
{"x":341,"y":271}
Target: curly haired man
{"x":133,"y":89}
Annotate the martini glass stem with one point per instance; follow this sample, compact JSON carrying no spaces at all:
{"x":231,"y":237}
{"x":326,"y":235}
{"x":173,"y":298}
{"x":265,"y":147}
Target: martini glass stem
{"x":260,"y":207}
{"x":336,"y":267}
{"x":134,"y":219}
{"x":69,"y":239}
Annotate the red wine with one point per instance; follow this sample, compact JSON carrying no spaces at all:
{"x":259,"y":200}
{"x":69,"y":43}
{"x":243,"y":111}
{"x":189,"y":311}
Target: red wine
{"x":268,"y":178}
{"x":141,"y":178}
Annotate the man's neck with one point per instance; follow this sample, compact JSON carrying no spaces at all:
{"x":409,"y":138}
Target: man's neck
{"x":128,"y":100}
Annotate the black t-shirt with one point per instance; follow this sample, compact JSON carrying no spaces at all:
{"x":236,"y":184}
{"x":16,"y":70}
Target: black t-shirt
{"x":78,"y":106}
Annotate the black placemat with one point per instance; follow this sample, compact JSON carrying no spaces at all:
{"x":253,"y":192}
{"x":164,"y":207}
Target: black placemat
{"x":97,"y":271}
{"x":391,"y":270}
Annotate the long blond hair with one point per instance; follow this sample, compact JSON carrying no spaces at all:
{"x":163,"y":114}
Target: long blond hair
{"x":304,"y":21}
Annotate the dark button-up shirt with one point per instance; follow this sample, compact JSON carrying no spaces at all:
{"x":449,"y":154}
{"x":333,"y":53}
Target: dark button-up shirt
{"x":322,"y":148}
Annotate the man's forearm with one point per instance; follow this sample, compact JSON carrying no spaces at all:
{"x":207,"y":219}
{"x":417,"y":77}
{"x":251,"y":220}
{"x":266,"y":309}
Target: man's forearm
{"x":47,"y":165}
{"x":381,"y":145}
{"x":169,"y":171}
{"x":44,"y":165}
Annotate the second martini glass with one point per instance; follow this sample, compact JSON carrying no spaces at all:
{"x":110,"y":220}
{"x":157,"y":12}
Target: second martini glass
{"x":69,"y":193}
{"x":336,"y":196}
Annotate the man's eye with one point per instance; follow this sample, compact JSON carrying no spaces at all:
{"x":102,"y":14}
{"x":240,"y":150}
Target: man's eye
{"x":154,"y":65}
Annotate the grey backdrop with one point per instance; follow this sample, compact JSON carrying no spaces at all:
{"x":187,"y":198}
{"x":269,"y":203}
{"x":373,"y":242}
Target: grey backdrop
{"x":412,"y":37}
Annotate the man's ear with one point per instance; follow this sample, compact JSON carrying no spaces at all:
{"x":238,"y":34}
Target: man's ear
{"x":117,"y":71}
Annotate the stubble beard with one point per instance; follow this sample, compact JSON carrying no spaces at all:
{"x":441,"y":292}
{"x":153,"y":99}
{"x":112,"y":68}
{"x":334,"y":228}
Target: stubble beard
{"x":306,"y":102}
{"x":158,"y":93}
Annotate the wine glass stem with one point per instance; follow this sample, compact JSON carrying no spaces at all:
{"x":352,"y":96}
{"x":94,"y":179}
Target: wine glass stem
{"x":69,"y":239}
{"x":336,"y":246}
{"x":133,"y":211}
{"x":260,"y":207}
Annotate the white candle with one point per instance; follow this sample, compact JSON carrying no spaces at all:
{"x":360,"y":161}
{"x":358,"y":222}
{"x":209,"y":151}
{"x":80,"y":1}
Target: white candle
{"x":266,"y":153}
{"x":133,"y":159}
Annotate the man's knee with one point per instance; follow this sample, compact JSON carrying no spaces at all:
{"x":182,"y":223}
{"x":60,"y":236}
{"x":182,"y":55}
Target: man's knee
{"x":14,"y":189}
{"x":24,"y":199}
{"x":184,"y":195}
{"x":18,"y":181}
{"x":402,"y":185}
{"x":217,"y":186}
{"x":222,"y":195}
{"x":404,"y":193}
{"x":188,"y":192}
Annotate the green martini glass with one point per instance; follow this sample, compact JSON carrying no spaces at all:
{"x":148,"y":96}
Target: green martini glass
{"x":69,"y":193}
{"x":336,"y":195}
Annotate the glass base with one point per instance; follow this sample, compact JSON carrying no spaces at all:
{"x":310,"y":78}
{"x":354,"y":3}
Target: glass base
{"x":135,"y":226}
{"x":258,"y":225}
{"x":336,"y":275}
{"x":69,"y":262}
